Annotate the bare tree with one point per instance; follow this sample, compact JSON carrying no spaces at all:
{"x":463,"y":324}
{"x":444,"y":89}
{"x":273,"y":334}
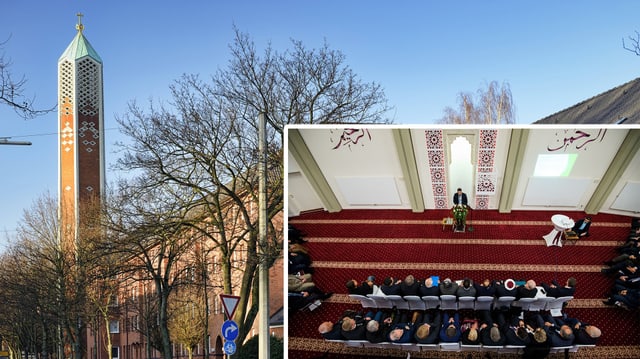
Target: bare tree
{"x":187,"y":321}
{"x":635,"y":43}
{"x":12,"y":91}
{"x":494,"y":106}
{"x":300,"y":86}
{"x":149,"y":232}
{"x":203,"y":149}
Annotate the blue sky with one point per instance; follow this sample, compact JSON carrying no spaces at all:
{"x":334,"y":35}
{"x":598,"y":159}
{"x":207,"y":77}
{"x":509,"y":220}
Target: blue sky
{"x":553,"y":54}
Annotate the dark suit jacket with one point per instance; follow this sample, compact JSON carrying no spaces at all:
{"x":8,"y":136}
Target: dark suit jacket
{"x":335,"y":333}
{"x":393,"y":289}
{"x":557,"y":291}
{"x":409,"y":289}
{"x":359,"y":333}
{"x":435,"y":321}
{"x":363,"y":289}
{"x":576,"y":227}
{"x":464,"y":199}
{"x":433,"y":290}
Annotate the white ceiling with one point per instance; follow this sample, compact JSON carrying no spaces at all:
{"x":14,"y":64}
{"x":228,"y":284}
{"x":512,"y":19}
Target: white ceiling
{"x":358,"y":168}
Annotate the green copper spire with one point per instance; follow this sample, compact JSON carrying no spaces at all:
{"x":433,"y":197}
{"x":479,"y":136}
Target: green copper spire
{"x":80,"y":46}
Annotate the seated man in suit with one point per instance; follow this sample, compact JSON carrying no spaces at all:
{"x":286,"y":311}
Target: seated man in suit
{"x":448,"y":287}
{"x":528,"y":290}
{"x":390,"y":286}
{"x":329,"y":330}
{"x":582,"y":227}
{"x":428,"y":331}
{"x":366,"y":287}
{"x":403,"y":331}
{"x":378,"y":326}
{"x":354,"y":327}
{"x":450,"y":331}
{"x":427,"y":288}
{"x":409,"y":286}
{"x":556,"y":291}
{"x":467,"y":289}
{"x":559,"y":334}
{"x":584,"y":333}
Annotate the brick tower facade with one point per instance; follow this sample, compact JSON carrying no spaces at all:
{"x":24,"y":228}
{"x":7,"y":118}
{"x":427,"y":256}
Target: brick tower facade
{"x":81,"y":133}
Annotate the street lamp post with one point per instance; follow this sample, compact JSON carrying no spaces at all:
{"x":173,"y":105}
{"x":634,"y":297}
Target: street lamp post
{"x":5,"y":141}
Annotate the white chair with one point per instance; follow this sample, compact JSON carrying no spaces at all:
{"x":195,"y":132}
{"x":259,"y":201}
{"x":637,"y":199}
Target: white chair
{"x":398,"y":302}
{"x":431,"y":301}
{"x":355,"y":343}
{"x":484,"y":302}
{"x":466,"y":302}
{"x":381,"y":301}
{"x":365,"y":301}
{"x":516,"y":349}
{"x":470,"y":347}
{"x":505,"y":301}
{"x":555,"y":306}
{"x":565,"y":350}
{"x":426,"y":347}
{"x":450,"y":346}
{"x":415,"y":302}
{"x":524,"y":303}
{"x":540,"y":304}
{"x":448,"y":302}
{"x":407,"y":346}
{"x":492,"y":348}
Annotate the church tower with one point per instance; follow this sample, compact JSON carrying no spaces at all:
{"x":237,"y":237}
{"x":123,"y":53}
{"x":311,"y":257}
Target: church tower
{"x":81,"y":134}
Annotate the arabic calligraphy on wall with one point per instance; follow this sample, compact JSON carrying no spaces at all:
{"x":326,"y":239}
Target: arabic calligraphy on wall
{"x":578,"y":139}
{"x":349,"y":137}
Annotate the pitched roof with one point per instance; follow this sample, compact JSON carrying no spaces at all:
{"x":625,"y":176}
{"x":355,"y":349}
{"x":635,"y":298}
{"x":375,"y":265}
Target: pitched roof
{"x":618,"y":105}
{"x":78,"y":48}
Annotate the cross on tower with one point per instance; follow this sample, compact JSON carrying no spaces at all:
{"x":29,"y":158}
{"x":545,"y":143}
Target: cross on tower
{"x":79,"y":26}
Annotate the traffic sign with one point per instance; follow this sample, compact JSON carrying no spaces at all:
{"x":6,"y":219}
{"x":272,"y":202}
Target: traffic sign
{"x":229,"y":347}
{"x":229,"y":303}
{"x":229,"y":330}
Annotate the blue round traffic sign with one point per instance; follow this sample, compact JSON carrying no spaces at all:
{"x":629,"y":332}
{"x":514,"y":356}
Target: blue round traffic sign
{"x":230,"y":330}
{"x":229,"y":347}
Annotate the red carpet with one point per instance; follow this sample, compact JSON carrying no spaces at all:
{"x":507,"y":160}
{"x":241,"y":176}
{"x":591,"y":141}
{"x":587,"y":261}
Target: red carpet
{"x":359,"y":243}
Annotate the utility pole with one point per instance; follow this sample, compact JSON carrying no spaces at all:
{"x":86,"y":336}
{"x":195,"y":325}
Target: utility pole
{"x":263,"y":289}
{"x":5,"y":141}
